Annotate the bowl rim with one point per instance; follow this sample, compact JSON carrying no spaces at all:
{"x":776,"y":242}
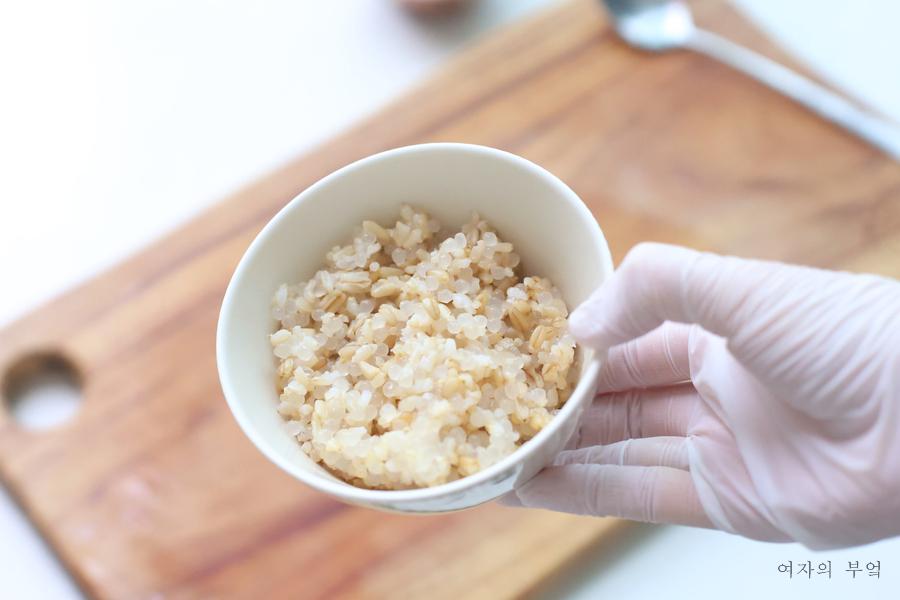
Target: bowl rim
{"x":585,"y":386}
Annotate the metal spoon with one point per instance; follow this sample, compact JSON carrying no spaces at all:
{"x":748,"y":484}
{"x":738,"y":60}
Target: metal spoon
{"x":659,"y":25}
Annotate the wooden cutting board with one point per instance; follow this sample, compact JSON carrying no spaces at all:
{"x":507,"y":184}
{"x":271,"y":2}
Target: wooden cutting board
{"x":152,"y":492}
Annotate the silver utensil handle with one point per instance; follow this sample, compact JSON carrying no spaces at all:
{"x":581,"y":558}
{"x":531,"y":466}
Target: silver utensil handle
{"x":822,"y":101}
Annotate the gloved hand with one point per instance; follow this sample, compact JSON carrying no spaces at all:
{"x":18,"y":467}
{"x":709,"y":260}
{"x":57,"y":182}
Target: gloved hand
{"x":776,"y":416}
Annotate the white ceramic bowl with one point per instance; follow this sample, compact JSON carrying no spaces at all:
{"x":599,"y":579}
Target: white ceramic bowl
{"x":550,"y":227}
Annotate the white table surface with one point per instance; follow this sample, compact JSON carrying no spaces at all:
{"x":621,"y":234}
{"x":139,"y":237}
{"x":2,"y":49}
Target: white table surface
{"x":120,"y":120}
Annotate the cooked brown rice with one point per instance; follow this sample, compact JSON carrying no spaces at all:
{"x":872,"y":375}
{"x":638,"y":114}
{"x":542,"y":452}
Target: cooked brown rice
{"x":410,"y":363}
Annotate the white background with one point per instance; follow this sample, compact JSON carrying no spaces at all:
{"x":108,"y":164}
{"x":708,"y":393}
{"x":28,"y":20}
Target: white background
{"x":120,"y":120}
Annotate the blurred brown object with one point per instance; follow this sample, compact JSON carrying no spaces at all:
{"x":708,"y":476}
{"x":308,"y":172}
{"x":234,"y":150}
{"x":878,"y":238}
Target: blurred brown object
{"x":153,"y":491}
{"x":433,"y":6}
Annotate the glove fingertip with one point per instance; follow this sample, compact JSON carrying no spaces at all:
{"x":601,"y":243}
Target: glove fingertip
{"x":584,"y":326}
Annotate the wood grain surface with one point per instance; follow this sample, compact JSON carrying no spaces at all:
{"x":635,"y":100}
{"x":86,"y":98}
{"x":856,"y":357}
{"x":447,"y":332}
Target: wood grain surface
{"x":152,"y":492}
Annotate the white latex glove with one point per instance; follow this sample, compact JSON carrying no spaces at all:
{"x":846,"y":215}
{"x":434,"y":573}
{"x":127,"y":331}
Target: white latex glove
{"x":775,"y":417}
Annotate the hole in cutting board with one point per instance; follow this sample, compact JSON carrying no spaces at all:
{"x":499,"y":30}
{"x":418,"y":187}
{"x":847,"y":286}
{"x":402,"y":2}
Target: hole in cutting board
{"x":42,"y":390}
